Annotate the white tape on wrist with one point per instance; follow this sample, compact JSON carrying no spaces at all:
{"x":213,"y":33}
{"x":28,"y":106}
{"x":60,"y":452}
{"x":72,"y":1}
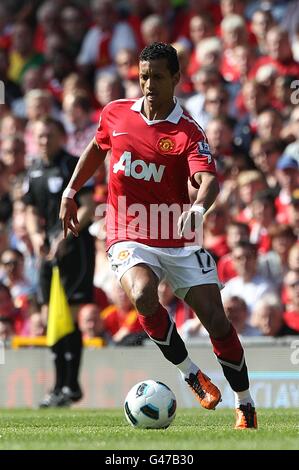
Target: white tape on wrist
{"x":198,"y":208}
{"x":69,"y":193}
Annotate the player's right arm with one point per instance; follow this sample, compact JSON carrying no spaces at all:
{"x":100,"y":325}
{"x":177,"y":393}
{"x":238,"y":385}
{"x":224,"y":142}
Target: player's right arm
{"x":89,"y":161}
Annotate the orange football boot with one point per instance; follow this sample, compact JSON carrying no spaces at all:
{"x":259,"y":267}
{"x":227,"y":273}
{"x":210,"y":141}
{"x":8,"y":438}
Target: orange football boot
{"x":246,"y":417}
{"x":204,"y":390}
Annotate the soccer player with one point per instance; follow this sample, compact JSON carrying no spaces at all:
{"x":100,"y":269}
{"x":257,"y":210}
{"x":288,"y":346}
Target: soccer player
{"x":155,"y":148}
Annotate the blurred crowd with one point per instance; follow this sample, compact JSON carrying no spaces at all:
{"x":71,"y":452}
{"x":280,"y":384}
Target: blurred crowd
{"x":240,"y":81}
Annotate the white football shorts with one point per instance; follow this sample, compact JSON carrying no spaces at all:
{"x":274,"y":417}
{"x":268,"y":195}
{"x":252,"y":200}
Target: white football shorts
{"x":182,"y":267}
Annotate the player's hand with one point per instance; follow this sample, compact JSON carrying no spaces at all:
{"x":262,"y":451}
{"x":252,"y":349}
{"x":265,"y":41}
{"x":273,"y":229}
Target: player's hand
{"x":189,"y":221}
{"x":68,"y":216}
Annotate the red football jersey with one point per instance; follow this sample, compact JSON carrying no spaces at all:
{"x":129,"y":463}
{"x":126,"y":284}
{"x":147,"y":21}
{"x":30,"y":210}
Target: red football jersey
{"x":150,"y":164}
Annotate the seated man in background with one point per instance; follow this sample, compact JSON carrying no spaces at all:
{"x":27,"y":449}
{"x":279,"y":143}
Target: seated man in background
{"x":120,"y":320}
{"x":267,"y":316}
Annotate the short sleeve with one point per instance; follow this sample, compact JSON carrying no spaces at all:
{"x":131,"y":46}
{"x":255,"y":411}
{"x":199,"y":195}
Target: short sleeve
{"x":199,"y":156}
{"x":102,"y":135}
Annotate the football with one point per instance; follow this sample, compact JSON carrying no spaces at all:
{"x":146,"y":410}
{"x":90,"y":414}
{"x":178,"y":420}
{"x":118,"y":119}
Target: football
{"x":150,"y":405}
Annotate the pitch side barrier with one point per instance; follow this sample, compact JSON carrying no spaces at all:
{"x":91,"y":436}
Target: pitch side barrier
{"x":109,"y":372}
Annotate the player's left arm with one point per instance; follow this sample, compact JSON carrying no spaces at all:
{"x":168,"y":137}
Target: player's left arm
{"x":202,"y":176}
{"x":206,"y":195}
{"x":208,"y":189}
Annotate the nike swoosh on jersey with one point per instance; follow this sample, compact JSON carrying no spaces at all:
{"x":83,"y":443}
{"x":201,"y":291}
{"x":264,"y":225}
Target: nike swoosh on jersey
{"x":115,"y":134}
{"x":204,"y":271}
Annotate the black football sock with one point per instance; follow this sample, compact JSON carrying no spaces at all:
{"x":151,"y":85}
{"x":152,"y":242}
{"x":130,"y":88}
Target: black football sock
{"x":59,"y":363}
{"x":163,"y":332}
{"x":72,"y":353}
{"x":230,"y":355}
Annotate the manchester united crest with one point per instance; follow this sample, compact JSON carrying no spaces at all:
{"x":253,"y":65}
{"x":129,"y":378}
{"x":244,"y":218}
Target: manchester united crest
{"x":166,"y":144}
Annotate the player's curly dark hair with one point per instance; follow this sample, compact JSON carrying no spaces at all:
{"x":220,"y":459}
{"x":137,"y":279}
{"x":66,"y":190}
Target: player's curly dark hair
{"x":160,"y":50}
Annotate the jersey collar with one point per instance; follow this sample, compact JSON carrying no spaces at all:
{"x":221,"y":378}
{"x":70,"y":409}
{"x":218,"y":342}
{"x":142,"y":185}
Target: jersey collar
{"x":173,"y":117}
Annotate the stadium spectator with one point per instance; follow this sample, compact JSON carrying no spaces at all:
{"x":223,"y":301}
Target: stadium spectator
{"x":53,"y":166}
{"x":265,"y":154}
{"x":20,"y":240}
{"x":220,"y":135}
{"x":185,"y":87}
{"x":200,"y":27}
{"x":36,"y":326}
{"x":74,"y":83}
{"x":47,"y":16}
{"x":10,"y":125}
{"x":3,"y":237}
{"x":6,"y":303}
{"x":178,"y":310}
{"x":261,"y":22}
{"x":22,"y":54}
{"x":108,"y":87}
{"x":268,"y":317}
{"x":38,"y":104}
{"x":90,"y":322}
{"x":77,"y":109}
{"x":7,"y":308}
{"x":13,"y":155}
{"x":293,"y":133}
{"x":103,"y":274}
{"x":237,"y":312}
{"x":263,"y":213}
{"x":12,"y":89}
{"x":172,"y":17}
{"x":196,"y":8}
{"x":291,"y":315}
{"x":293,"y":258}
{"x":252,"y":101}
{"x":234,"y":34}
{"x":204,"y":78}
{"x":279,"y":54}
{"x":153,"y":29}
{"x":5,"y":28}
{"x":288,"y":176}
{"x":214,"y":233}
{"x":141,"y":265}
{"x":290,"y":18}
{"x":126,"y":63}
{"x":58,"y":67}
{"x":230,"y":7}
{"x":120,"y":319}
{"x":235,"y":233}
{"x":215,"y":105}
{"x":274,"y":264}
{"x":73,"y":24}
{"x":103,"y":40}
{"x":248,"y":284}
{"x":283,"y":94}
{"x":244,"y":58}
{"x":5,"y":198}
{"x":269,"y":123}
{"x":12,"y":262}
{"x":6,"y":331}
{"x":207,"y":53}
{"x":249,"y":183}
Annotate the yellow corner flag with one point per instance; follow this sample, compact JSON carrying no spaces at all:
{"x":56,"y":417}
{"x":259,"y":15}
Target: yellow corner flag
{"x":60,"y":321}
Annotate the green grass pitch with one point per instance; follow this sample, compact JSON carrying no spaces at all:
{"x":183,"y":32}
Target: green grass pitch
{"x":108,"y":430}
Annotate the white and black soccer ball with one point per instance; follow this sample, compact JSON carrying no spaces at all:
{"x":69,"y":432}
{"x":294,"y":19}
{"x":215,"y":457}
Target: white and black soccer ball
{"x":150,"y":405}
